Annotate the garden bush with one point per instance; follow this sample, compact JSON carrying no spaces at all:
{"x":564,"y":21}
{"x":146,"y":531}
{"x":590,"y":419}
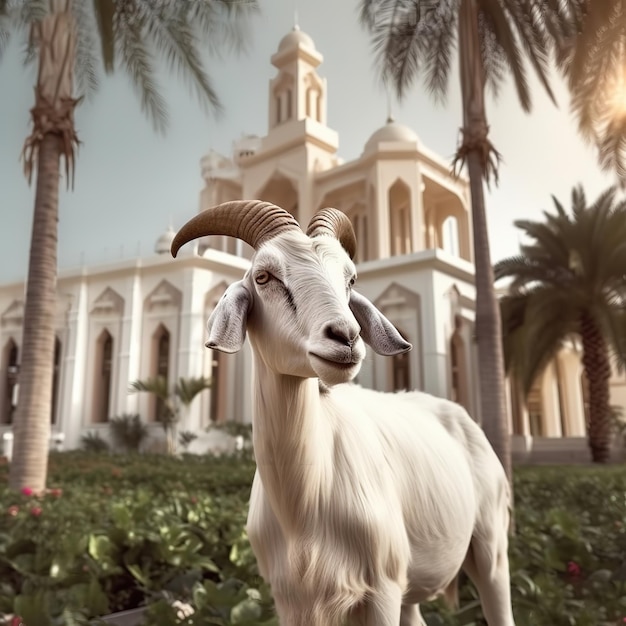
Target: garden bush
{"x":121,"y":531}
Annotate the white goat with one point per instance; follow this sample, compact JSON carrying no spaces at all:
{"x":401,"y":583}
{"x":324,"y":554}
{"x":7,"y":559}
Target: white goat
{"x":364,"y":504}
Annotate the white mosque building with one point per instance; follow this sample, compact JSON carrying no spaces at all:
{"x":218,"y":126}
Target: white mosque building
{"x":136,"y":319}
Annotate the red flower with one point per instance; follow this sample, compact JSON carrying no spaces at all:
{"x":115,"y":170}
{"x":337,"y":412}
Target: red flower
{"x":36,"y":511}
{"x":27,"y":491}
{"x":13,"y":510}
{"x":573,"y":569}
{"x":17,"y":621}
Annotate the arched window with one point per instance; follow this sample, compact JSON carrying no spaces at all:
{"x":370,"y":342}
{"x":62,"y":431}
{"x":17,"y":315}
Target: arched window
{"x":161,"y":366}
{"x":279,"y":109}
{"x":458,"y":367}
{"x":11,"y":371}
{"x":450,"y":235}
{"x":400,"y":219}
{"x":55,"y":380}
{"x":401,"y":370}
{"x":103,"y":377}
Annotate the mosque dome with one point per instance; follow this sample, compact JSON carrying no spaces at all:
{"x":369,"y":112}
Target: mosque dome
{"x":164,"y":242}
{"x":294,"y":39}
{"x":392,"y":131}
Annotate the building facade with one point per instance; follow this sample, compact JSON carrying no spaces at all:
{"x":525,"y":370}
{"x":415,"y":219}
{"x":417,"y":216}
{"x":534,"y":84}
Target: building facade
{"x":147,"y":317}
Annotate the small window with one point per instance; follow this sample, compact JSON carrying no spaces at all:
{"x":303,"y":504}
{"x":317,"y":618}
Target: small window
{"x":103,"y":378}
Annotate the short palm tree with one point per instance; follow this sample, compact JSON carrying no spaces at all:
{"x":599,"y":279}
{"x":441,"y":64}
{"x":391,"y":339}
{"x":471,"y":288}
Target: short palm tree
{"x":65,"y":37}
{"x":171,"y":402}
{"x":570,"y":281}
{"x":418,"y":37}
{"x":592,"y":57}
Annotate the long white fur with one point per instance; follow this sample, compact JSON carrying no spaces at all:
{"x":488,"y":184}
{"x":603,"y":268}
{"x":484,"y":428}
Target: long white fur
{"x":364,"y":504}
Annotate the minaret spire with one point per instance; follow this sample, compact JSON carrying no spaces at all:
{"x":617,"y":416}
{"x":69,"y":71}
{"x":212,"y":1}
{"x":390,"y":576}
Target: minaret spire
{"x":390,"y":117}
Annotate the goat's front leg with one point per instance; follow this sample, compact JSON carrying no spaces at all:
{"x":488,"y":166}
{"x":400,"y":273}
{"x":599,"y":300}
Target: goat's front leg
{"x":382,"y":608}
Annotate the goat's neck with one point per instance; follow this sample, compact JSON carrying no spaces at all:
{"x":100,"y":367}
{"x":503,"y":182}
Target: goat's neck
{"x":291,"y":444}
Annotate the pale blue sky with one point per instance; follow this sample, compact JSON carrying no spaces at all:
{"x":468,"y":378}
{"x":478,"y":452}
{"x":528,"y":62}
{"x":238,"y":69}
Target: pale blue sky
{"x":130,"y":182}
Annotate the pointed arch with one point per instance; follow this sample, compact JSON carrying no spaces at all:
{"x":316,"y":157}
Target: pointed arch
{"x":458,"y":366}
{"x":10,"y":372}
{"x":282,"y":191}
{"x":103,"y":378}
{"x":160,"y":351}
{"x":56,"y":376}
{"x":401,"y":369}
{"x":399,"y":202}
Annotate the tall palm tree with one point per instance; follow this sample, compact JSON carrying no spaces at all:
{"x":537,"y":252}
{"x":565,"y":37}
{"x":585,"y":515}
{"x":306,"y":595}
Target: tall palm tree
{"x":172,"y":402}
{"x":65,"y":36}
{"x":592,"y":57}
{"x":570,"y":281}
{"x":415,"y":37}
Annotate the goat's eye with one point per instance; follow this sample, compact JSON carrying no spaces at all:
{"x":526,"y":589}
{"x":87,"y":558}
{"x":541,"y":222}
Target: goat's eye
{"x":262,"y":278}
{"x":352,"y":281}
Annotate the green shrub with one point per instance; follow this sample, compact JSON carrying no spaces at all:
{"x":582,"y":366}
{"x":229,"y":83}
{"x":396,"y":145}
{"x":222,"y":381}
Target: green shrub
{"x":93,"y":442}
{"x":128,"y":432}
{"x":118,"y":532}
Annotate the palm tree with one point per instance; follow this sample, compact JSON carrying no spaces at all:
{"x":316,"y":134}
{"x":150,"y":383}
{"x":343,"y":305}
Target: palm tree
{"x":570,"y":281}
{"x":64,"y":38}
{"x":412,"y":37}
{"x":592,"y":57}
{"x":171,"y":403}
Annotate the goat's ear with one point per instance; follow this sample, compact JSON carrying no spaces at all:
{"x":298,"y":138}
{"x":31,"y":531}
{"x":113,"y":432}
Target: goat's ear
{"x":376,"y":329}
{"x":228,"y":322}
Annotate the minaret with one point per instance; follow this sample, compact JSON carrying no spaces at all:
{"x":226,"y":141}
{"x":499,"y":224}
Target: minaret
{"x":297,"y":92}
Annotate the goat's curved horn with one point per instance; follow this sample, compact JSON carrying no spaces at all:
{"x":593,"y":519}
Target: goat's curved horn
{"x":336,"y":223}
{"x":252,"y":221}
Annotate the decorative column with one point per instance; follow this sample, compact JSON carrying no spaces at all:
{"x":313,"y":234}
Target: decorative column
{"x":130,"y":348}
{"x":74,"y":406}
{"x":191,"y":339}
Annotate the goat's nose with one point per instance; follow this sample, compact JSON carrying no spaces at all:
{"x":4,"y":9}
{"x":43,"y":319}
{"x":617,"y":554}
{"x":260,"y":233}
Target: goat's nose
{"x":342,"y":332}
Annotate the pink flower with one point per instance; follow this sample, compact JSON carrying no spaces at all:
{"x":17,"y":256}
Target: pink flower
{"x":36,"y":511}
{"x":17,"y":621}
{"x":573,"y":569}
{"x":27,"y":491}
{"x":13,"y":510}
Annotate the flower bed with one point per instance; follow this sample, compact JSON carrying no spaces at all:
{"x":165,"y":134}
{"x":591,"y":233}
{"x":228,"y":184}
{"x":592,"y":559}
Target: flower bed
{"x":118,"y":532}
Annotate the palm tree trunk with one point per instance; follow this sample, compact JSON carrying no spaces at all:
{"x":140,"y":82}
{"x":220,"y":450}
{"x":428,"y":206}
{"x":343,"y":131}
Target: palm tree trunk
{"x":488,"y":326}
{"x":481,"y":159}
{"x":53,"y":136}
{"x":31,"y":424}
{"x":598,"y":371}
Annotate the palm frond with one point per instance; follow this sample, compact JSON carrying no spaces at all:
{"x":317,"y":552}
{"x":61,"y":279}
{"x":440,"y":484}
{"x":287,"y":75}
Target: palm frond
{"x":104,"y":11}
{"x":441,"y":45}
{"x":499,"y":22}
{"x":139,"y":63}
{"x":493,"y":57}
{"x":223,"y":25}
{"x":169,"y":29}
{"x":576,"y":264}
{"x":532,"y":34}
{"x":85,"y":66}
{"x":188,"y":388}
{"x":156,"y":385}
{"x":400,"y":32}
{"x":534,"y":328}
